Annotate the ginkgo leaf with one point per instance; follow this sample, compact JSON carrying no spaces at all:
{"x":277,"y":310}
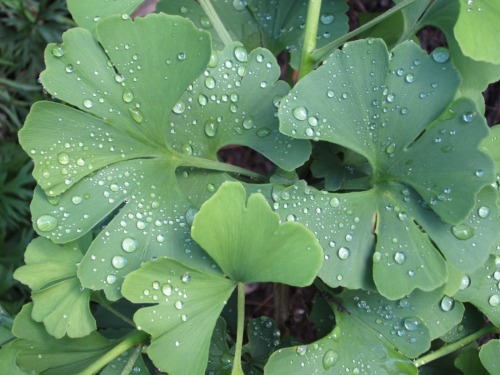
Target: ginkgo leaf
{"x":489,"y":356}
{"x":59,"y":301}
{"x":188,"y":301}
{"x":393,"y":109}
{"x":35,"y":351}
{"x":143,"y":111}
{"x":249,"y":244}
{"x":276,"y":25}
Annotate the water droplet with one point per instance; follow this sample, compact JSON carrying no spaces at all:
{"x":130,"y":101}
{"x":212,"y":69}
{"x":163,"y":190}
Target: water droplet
{"x":118,"y":261}
{"x":160,"y":238}
{"x":125,"y":16}
{"x":440,"y":55}
{"x":181,"y":56}
{"x":63,"y":158}
{"x":334,"y":202}
{"x":391,"y":98}
{"x":326,"y":19}
{"x":129,"y":245}
{"x":263,"y":132}
{"x":69,"y":68}
{"x":119,"y":78}
{"x":202,"y":100}
{"x":483,"y":212}
{"x":57,"y":51}
{"x":167,"y":289}
{"x":410,"y":78}
{"x":344,"y":253}
{"x":301,"y":349}
{"x":241,"y":54}
{"x":462,"y":231}
{"x":111,"y":279}
{"x":494,"y":300}
{"x":239,"y":4}
{"x":211,"y":188}
{"x":465,"y":282}
{"x":46,"y":223}
{"x":87,"y":103}
{"x":136,"y":115}
{"x":377,"y":257}
{"x":127,"y":95}
{"x":179,"y":305}
{"x":210,"y":82}
{"x":185,"y":278}
{"x":205,"y":22}
{"x":330,"y":359}
{"x":77,"y":199}
{"x":411,"y":324}
{"x":248,"y":123}
{"x":186,"y":149}
{"x":391,"y":148}
{"x":447,"y":303}
{"x":300,"y":113}
{"x":399,"y":257}
{"x":479,"y":173}
{"x":179,"y":107}
{"x":210,"y":128}
{"x":468,"y":116}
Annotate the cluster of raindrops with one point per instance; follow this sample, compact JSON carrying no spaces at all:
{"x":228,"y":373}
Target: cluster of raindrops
{"x":472,"y":6}
{"x":493,"y":297}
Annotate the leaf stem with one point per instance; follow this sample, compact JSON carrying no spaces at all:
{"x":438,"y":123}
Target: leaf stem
{"x":131,"y":361}
{"x":321,"y":53}
{"x":306,"y":61}
{"x":216,"y":22}
{"x":447,"y":349}
{"x":104,"y":303}
{"x":136,"y":337}
{"x":237,"y":369}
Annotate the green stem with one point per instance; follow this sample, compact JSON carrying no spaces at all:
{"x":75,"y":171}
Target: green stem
{"x":216,"y":22}
{"x":306,"y":60}
{"x":281,"y":306}
{"x":104,"y":303}
{"x":321,"y":53}
{"x":131,"y":361}
{"x":237,"y":369}
{"x":136,"y":337}
{"x":450,"y":348}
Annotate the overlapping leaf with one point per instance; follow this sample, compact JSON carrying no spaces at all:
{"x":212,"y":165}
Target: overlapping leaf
{"x":35,"y":351}
{"x":59,"y":301}
{"x":489,"y":356}
{"x":395,"y":111}
{"x":277,"y":24}
{"x":247,"y":242}
{"x":136,"y":124}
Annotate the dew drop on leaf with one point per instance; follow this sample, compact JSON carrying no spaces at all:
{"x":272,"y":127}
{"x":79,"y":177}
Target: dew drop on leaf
{"x":330,"y":359}
{"x":179,"y":305}
{"x":87,"y":103}
{"x":129,"y":245}
{"x":160,"y":238}
{"x":57,"y":51}
{"x":465,"y":282}
{"x":136,"y":115}
{"x":391,"y":148}
{"x":326,"y":19}
{"x":127,"y":95}
{"x":111,"y":279}
{"x":248,"y":123}
{"x":411,"y":324}
{"x":300,"y":113}
{"x":334,"y":202}
{"x":185,"y":278}
{"x":301,"y":349}
{"x":462,"y":231}
{"x":494,"y":300}
{"x":167,"y":289}
{"x":210,"y":82}
{"x":69,"y":68}
{"x":447,"y":303}
{"x":63,"y":158}
{"x":344,"y":253}
{"x":46,"y":223}
{"x":410,"y":78}
{"x":241,"y":54}
{"x":263,"y":132}
{"x":468,"y":116}
{"x":118,"y":261}
{"x":77,"y":199}
{"x":483,"y":212}
{"x":377,"y":257}
{"x":239,"y":4}
{"x":400,"y":257}
{"x":179,"y":108}
{"x":440,"y":55}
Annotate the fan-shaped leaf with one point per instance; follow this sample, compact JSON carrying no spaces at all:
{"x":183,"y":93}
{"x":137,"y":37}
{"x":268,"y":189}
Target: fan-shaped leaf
{"x":489,"y":356}
{"x":59,"y":301}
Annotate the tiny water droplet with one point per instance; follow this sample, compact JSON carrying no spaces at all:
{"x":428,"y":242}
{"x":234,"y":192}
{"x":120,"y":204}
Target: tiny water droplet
{"x":46,"y":223}
{"x":118,"y":261}
{"x":462,"y":231}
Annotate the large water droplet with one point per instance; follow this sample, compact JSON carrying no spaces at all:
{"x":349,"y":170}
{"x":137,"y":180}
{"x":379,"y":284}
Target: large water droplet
{"x":179,"y":305}
{"x":239,"y":4}
{"x":119,"y":261}
{"x":248,"y":123}
{"x":129,"y":245}
{"x":410,"y":78}
{"x":494,"y":300}
{"x":411,"y":324}
{"x":167,"y":289}
{"x":127,"y":95}
{"x":63,"y":158}
{"x":57,"y":51}
{"x":46,"y":223}
{"x":483,"y":212}
{"x":210,"y":128}
{"x":465,"y":282}
{"x":330,"y":359}
{"x":136,"y":115}
{"x":111,"y":279}
{"x":399,"y":257}
{"x":391,"y":148}
{"x":462,"y":231}
{"x":326,"y":19}
{"x":87,"y":103}
{"x":447,"y":303}
{"x":300,"y":113}
{"x":440,"y":55}
{"x":344,"y":253}
{"x":301,"y":349}
{"x":77,"y":199}
{"x":241,"y":54}
{"x":210,"y":82}
{"x":179,"y":107}
{"x":334,"y":202}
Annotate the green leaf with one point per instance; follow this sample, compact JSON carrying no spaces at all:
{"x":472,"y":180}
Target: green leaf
{"x":401,"y":122}
{"x":469,"y":363}
{"x":59,"y":301}
{"x":475,"y":30}
{"x":187,"y":305}
{"x":483,"y":289}
{"x":364,"y":338}
{"x":219,"y":357}
{"x":489,"y":356}
{"x":472,"y":321}
{"x":411,"y":15}
{"x":476,"y":75}
{"x":117,"y":366}
{"x":249,"y":244}
{"x":88,"y":13}
{"x":140,"y":118}
{"x":274,"y":25}
{"x":491,"y":145}
{"x":35,"y":351}
{"x":263,"y":339}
